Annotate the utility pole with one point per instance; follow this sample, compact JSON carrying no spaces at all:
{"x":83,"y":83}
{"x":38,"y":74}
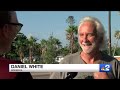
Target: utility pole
{"x":109,"y":31}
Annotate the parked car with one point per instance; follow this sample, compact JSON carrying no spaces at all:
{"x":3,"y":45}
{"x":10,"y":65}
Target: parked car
{"x":59,"y":58}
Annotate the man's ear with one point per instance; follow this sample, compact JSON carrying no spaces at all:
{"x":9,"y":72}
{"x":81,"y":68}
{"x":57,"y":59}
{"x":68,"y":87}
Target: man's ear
{"x":5,"y":31}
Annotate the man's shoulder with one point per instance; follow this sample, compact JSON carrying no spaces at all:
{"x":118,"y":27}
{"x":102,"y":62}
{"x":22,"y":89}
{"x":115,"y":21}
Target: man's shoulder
{"x":4,"y":70}
{"x":9,"y":61}
{"x":70,"y":58}
{"x":115,"y":72}
{"x":72,"y":55}
{"x":109,"y":59}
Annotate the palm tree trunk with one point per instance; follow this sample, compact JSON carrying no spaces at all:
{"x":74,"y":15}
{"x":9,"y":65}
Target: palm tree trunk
{"x":115,"y":47}
{"x":30,"y":55}
{"x":21,"y":56}
{"x":71,"y":46}
{"x":72,"y":42}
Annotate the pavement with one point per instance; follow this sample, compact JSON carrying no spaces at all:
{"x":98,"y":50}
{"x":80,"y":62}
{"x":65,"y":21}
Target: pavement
{"x":40,"y":75}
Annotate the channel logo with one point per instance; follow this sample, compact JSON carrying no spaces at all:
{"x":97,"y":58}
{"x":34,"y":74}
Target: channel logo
{"x":105,"y":68}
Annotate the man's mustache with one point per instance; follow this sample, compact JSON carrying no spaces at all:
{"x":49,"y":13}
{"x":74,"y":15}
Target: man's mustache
{"x":86,"y":44}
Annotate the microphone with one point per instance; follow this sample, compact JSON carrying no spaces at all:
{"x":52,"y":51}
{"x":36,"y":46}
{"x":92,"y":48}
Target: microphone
{"x":89,"y":77}
{"x":71,"y":75}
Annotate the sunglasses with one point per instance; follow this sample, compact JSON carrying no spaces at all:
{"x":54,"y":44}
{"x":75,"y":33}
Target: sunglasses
{"x":18,"y":26}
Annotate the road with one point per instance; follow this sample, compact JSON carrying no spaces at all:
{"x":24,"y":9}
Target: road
{"x":40,"y":75}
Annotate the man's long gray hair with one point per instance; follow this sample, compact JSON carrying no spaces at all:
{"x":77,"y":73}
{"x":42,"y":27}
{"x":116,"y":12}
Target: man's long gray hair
{"x":100,"y":30}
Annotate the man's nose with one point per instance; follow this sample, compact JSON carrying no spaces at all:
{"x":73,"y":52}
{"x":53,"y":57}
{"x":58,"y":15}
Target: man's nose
{"x":85,"y":39}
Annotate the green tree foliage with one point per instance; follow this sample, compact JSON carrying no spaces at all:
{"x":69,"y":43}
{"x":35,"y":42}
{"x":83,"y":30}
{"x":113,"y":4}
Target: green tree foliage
{"x":50,"y":49}
{"x":18,"y":47}
{"x":117,"y":36}
{"x":32,"y":47}
{"x":64,"y":51}
{"x":20,"y":43}
{"x":117,"y":52}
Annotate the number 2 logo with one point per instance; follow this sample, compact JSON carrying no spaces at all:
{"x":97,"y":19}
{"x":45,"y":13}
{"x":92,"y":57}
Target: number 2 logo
{"x":107,"y":67}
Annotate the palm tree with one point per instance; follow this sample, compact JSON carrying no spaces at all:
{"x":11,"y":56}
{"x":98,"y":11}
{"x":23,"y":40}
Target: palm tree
{"x":32,"y":42}
{"x":38,"y":52}
{"x":70,"y":20}
{"x":20,"y":43}
{"x":55,"y":42}
{"x":50,"y":49}
{"x":43,"y":44}
{"x":71,"y":36}
{"x":117,"y":36}
{"x":71,"y":31}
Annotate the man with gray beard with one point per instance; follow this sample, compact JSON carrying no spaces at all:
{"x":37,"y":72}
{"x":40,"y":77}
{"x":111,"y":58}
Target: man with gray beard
{"x":92,"y":39}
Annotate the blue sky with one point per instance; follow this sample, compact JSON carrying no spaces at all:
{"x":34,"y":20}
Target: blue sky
{"x":41,"y":24}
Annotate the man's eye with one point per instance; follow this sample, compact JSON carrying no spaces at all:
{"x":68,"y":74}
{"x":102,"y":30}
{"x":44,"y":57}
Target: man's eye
{"x":80,"y":34}
{"x":91,"y":34}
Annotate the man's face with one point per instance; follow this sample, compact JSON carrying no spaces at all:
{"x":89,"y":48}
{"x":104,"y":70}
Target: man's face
{"x":12,"y":28}
{"x":87,"y":37}
{"x":10,"y":31}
